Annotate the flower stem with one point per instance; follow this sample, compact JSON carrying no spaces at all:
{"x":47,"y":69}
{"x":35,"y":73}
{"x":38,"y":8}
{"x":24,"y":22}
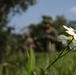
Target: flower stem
{"x":59,"y":56}
{"x":65,"y":53}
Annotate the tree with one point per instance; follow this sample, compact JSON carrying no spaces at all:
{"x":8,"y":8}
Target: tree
{"x":35,"y":29}
{"x":7,"y":7}
{"x":59,"y":22}
{"x":14,"y":6}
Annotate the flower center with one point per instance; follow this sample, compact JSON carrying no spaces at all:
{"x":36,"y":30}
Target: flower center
{"x":74,"y":31}
{"x":70,"y":37}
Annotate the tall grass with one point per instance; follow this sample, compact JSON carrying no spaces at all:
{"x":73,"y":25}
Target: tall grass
{"x":16,"y":64}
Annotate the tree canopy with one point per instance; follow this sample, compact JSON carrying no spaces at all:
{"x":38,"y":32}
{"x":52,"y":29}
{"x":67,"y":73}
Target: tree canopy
{"x":14,"y":6}
{"x":7,"y":7}
{"x":58,"y":22}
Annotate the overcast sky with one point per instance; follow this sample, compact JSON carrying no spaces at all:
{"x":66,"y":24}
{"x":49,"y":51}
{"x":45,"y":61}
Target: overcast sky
{"x":45,"y":7}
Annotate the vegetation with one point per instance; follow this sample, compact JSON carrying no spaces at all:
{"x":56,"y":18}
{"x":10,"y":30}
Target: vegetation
{"x":9,"y":8}
{"x":58,"y":22}
{"x":18,"y":64}
{"x":13,"y":57}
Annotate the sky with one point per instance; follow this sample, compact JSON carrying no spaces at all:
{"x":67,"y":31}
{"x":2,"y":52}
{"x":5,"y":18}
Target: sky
{"x":44,"y":7}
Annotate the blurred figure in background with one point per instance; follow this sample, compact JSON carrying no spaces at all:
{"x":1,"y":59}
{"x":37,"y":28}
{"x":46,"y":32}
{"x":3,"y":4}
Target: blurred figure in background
{"x":29,"y":42}
{"x":48,"y":36}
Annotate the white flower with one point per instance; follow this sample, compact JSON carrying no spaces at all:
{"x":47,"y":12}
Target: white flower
{"x":63,"y":39}
{"x":66,"y":39}
{"x":73,"y":45}
{"x":70,"y":31}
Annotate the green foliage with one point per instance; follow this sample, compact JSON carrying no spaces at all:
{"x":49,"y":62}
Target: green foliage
{"x":17,"y":66}
{"x":36,"y":29}
{"x":9,"y":8}
{"x":31,"y":62}
{"x":13,"y":7}
{"x":59,"y":22}
{"x":65,"y":66}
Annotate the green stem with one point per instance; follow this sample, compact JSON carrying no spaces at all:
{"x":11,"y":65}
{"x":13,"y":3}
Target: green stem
{"x":59,"y":56}
{"x":65,"y":53}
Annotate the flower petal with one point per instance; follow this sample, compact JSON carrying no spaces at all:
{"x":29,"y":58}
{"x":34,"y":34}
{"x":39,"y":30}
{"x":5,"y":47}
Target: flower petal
{"x":70,"y":32}
{"x":75,"y":36}
{"x":68,"y":28}
{"x":63,"y":39}
{"x":73,"y":45}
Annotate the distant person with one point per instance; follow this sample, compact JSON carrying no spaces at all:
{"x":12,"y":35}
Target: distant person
{"x":29,"y":42}
{"x":48,"y":36}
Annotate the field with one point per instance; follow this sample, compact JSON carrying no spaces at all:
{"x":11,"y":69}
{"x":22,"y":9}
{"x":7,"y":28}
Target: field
{"x":15,"y":64}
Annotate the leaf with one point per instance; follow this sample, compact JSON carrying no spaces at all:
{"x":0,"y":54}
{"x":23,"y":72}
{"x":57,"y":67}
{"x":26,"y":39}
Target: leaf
{"x":31,"y":62}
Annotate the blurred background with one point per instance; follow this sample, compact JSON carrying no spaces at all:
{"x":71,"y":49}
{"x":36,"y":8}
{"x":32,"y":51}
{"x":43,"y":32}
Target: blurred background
{"x":35,"y":23}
